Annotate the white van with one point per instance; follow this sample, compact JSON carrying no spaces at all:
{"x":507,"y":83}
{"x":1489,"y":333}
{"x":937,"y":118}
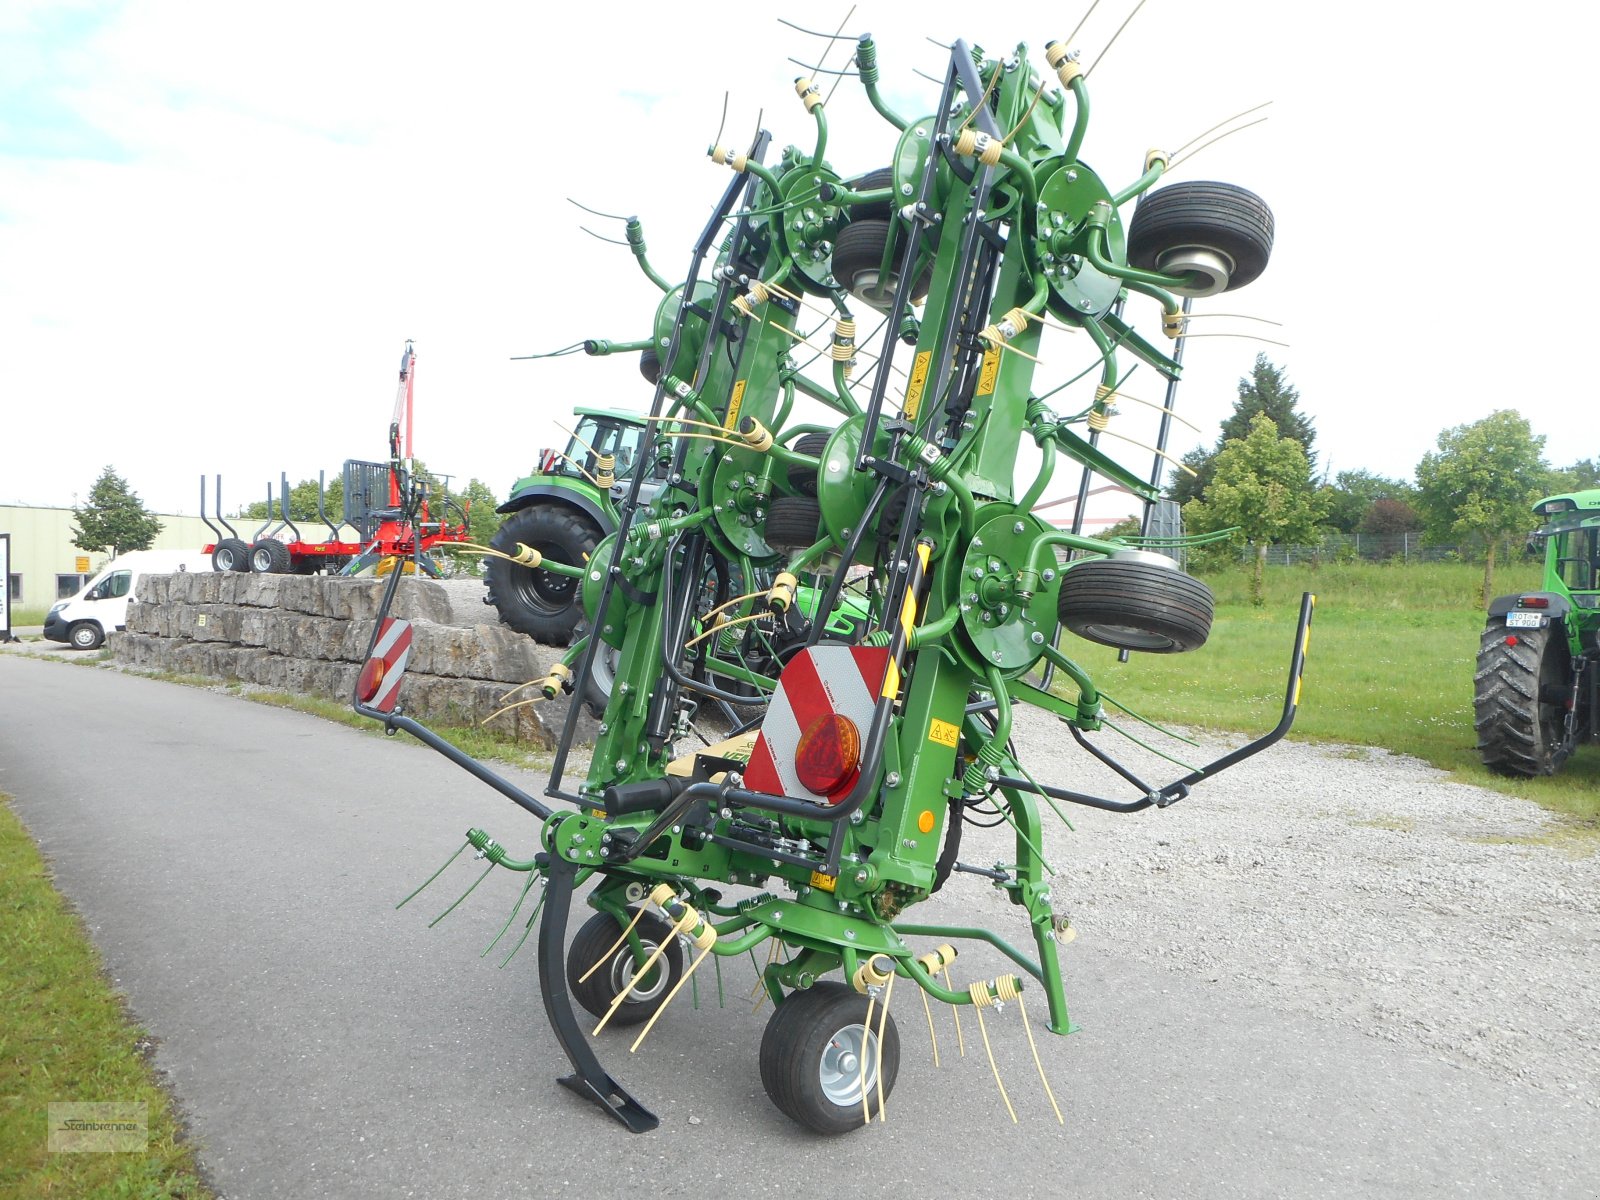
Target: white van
{"x":82,"y":621}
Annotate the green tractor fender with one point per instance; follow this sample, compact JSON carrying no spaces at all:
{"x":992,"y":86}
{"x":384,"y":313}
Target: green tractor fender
{"x":540,"y":488}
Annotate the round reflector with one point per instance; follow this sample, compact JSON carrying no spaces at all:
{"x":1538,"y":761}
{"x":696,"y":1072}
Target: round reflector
{"x":370,"y":679}
{"x":828,"y":758}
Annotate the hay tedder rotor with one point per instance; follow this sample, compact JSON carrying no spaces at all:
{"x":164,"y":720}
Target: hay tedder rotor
{"x":810,"y":834}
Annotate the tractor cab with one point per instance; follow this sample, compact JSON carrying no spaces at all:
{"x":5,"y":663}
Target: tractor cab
{"x":605,"y":442}
{"x":1571,"y":534}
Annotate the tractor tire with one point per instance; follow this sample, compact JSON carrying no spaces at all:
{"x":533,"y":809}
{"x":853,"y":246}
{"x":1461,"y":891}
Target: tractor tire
{"x":804,"y":479}
{"x":85,"y":635}
{"x":1133,"y":605}
{"x":270,"y":557}
{"x":1520,"y":692}
{"x":813,"y":1053}
{"x":545,"y":606}
{"x":872,"y":181}
{"x":595,"y":938}
{"x":1216,"y":217}
{"x":793,"y":522}
{"x":231,"y":554}
{"x":857,"y":264}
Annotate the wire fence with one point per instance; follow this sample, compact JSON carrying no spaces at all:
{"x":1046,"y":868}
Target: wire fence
{"x":1369,"y":547}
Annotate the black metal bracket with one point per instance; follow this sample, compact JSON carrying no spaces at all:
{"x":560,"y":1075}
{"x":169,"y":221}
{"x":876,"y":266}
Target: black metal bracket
{"x":589,"y":1079}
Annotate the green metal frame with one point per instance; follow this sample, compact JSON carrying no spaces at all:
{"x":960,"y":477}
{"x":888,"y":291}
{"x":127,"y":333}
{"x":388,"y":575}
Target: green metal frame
{"x":963,"y":577}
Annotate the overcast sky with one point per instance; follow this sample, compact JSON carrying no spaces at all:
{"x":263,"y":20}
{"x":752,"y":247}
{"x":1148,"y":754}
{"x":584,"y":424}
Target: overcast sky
{"x":220,"y":222}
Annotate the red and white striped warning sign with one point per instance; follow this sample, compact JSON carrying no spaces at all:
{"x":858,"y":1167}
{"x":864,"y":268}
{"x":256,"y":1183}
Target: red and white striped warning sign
{"x":818,"y":683}
{"x":379,"y":683}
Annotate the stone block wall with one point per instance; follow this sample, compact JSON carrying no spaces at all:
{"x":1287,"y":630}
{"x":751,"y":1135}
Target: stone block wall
{"x":308,"y":634}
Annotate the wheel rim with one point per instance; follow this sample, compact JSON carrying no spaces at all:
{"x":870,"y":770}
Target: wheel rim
{"x":1127,"y":636}
{"x":84,"y":638}
{"x":261,"y":561}
{"x":839,"y":1069}
{"x":544,"y":590}
{"x":623,"y":969}
{"x":225,"y":559}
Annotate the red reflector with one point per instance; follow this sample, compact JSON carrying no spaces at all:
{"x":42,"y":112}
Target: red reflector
{"x":828,"y":758}
{"x":370,"y":679}
{"x":1534,"y":602}
{"x":1511,"y":639}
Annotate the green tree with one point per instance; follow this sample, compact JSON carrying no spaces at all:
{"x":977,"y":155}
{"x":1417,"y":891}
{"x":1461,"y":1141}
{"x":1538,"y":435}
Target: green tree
{"x":1262,"y":485}
{"x":114,"y":519}
{"x":1265,"y":391}
{"x":482,"y":520}
{"x":303,"y":502}
{"x":1482,"y":481}
{"x":1388,"y":517}
{"x":1351,"y":495}
{"x":1127,"y":527}
{"x":1581,"y":476}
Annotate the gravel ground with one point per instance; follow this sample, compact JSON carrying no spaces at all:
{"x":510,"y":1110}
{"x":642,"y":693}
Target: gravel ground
{"x":1352,"y":885}
{"x":1339,"y":882}
{"x":466,"y":601}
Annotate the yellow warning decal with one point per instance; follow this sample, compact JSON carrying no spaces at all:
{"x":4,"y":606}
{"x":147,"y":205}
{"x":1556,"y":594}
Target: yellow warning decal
{"x":989,"y":372}
{"x":823,"y":883}
{"x":734,"y":402}
{"x":919,"y":380}
{"x":943,"y":732}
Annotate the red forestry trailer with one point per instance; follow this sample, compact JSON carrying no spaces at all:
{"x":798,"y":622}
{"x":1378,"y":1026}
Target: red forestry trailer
{"x":373,"y":508}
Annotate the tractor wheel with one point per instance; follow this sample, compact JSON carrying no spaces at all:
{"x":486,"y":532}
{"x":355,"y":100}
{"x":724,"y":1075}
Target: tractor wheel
{"x":541,"y":604}
{"x":813,"y":1053}
{"x":85,"y":635}
{"x":872,"y":181}
{"x":270,"y":557}
{"x":1135,"y":605}
{"x":1218,"y":231}
{"x":804,"y":479}
{"x":1519,"y":702}
{"x":231,"y":554}
{"x":595,"y":938}
{"x":858,"y":261}
{"x":793,"y":522}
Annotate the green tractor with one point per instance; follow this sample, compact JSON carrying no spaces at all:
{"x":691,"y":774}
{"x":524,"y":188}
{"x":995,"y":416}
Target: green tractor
{"x":1537,"y":690}
{"x":563,"y":510}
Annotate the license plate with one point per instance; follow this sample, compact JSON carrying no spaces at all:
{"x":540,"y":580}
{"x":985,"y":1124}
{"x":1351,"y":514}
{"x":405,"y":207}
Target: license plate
{"x":1524,"y":620}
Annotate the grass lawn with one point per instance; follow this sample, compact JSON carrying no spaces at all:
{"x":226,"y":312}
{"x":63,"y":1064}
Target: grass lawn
{"x":66,"y":1037}
{"x":1390,"y":664}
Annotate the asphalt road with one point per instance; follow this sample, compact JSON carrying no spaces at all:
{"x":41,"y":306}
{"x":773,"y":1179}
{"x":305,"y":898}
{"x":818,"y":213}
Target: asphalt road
{"x":238,"y":866}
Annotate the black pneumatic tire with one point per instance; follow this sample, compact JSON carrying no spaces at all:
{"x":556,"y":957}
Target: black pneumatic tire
{"x":872,"y":181}
{"x":857,"y":259}
{"x":804,"y":479}
{"x":85,"y":635}
{"x":1520,"y":689}
{"x":793,"y":523}
{"x":807,"y":1058}
{"x":597,"y":992}
{"x":541,"y":604}
{"x":650,"y":365}
{"x":1216,"y":216}
{"x":231,"y":554}
{"x":270,"y":557}
{"x":1135,"y":605}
